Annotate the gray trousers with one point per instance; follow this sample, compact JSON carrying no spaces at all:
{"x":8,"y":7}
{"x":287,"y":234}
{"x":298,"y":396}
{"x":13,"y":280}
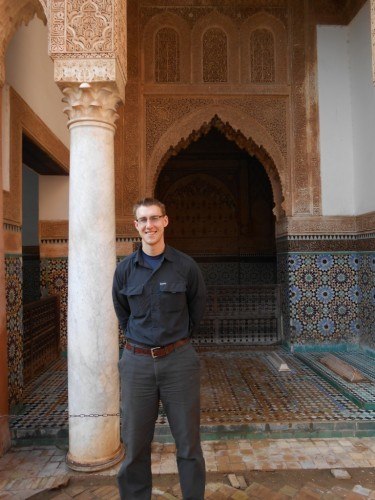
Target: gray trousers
{"x":175,"y":380}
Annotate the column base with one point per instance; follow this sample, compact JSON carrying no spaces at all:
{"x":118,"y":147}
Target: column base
{"x":95,"y":466}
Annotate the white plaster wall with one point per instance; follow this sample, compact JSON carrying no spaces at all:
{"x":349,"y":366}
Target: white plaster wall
{"x":53,"y":197}
{"x":363,"y":110}
{"x":347,"y":116}
{"x":29,"y":70}
{"x":336,"y":143}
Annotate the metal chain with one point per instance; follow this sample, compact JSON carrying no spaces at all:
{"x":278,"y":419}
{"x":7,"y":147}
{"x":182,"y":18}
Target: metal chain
{"x":81,"y":415}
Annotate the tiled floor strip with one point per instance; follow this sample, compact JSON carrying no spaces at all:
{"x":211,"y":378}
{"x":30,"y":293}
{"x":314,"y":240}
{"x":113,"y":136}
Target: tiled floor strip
{"x":241,"y":391}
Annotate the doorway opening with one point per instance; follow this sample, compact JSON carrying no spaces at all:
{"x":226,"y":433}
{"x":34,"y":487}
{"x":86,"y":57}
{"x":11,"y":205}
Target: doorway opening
{"x":41,"y":314}
{"x":220,"y":203}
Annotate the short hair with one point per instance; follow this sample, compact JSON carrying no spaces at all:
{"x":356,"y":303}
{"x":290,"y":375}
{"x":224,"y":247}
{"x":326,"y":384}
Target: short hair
{"x":148,"y":202}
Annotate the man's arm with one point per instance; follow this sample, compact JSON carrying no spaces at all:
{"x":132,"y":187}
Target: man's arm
{"x":120,"y":300}
{"x":196,"y":297}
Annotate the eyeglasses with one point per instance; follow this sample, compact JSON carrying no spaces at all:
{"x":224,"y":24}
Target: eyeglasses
{"x":142,"y":221}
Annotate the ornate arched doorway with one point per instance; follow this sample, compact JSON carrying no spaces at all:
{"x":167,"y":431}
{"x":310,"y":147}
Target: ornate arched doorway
{"x":220,"y":203}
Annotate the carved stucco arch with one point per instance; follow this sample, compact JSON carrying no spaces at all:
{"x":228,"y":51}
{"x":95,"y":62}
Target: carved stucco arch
{"x":13,"y":13}
{"x":276,"y":27}
{"x":165,"y":20}
{"x":215,"y":20}
{"x":246,"y":132}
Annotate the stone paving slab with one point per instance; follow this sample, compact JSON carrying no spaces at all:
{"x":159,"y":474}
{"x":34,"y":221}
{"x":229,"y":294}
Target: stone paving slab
{"x":218,"y":491}
{"x":27,"y":471}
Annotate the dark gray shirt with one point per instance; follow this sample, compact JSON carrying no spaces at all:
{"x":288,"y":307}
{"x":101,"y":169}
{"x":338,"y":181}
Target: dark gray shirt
{"x":160,"y":306}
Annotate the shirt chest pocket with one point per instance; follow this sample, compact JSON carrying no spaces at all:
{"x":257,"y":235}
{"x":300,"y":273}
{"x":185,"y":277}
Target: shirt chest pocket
{"x":172,"y":296}
{"x":137,"y":299}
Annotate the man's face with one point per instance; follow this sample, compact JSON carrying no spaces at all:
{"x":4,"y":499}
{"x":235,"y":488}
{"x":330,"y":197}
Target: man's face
{"x":150,"y":224}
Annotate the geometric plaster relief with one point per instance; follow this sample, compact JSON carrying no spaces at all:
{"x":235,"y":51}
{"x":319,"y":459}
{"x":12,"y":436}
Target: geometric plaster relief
{"x":215,"y":50}
{"x":303,"y":141}
{"x":53,"y":230}
{"x":279,"y":121}
{"x":95,"y":101}
{"x":81,"y":26}
{"x":365,"y":223}
{"x":87,"y":40}
{"x":264,"y":50}
{"x":215,"y":56}
{"x":166,"y":50}
{"x":302,"y":197}
{"x":193,"y":13}
{"x":262,"y":56}
{"x":314,"y":225}
{"x":84,"y":70}
{"x":125,"y":228}
{"x":90,"y":28}
{"x":270,"y":112}
{"x":167,"y":56}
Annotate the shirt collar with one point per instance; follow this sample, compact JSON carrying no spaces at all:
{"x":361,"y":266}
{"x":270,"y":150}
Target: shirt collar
{"x":168,"y":254}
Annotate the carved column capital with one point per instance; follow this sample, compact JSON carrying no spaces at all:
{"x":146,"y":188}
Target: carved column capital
{"x":95,"y":102}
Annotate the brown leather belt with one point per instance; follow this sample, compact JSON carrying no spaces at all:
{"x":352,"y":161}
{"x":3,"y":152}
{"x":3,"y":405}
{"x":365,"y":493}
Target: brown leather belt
{"x":156,"y":352}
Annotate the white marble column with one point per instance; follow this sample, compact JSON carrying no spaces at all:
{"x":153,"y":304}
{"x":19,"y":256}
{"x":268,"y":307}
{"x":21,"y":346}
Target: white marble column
{"x":93,"y":349}
{"x":372,"y":13}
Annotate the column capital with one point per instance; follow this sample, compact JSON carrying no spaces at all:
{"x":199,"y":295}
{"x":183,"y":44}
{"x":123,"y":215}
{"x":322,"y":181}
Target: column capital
{"x":91,"y":102}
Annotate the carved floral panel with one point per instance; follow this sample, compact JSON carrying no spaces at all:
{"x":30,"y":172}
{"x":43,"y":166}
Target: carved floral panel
{"x":90,"y":26}
{"x":215,"y":63}
{"x":167,"y":56}
{"x":82,"y":26}
{"x":262,"y":53}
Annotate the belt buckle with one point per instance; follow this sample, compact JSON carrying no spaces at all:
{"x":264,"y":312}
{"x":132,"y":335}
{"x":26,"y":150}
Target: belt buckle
{"x":152,"y":352}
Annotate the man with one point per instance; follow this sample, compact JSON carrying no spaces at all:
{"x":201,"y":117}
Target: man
{"x":159,"y":297}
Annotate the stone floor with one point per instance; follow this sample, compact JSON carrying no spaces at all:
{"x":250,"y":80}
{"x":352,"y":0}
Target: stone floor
{"x":259,"y":469}
{"x":321,"y":425}
{"x":243,"y":395}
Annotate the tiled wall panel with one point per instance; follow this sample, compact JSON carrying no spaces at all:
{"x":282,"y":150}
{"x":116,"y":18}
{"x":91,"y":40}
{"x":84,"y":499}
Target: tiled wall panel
{"x":54,"y":281}
{"x":13,"y":279}
{"x":328,"y":297}
{"x":366,"y":282}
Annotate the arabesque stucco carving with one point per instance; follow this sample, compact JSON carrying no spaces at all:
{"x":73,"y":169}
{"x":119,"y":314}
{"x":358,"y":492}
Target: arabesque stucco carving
{"x":88,"y":41}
